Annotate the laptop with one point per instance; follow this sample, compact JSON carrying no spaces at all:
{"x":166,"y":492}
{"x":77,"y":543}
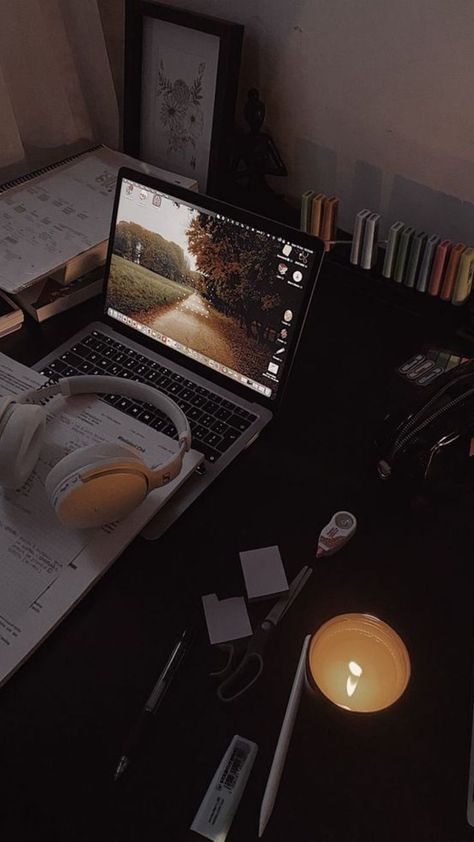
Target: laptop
{"x":204,"y":301}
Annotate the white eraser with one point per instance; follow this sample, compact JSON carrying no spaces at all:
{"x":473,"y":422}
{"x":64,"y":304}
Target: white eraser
{"x":214,"y":817}
{"x":264,"y":573}
{"x":227,"y":619}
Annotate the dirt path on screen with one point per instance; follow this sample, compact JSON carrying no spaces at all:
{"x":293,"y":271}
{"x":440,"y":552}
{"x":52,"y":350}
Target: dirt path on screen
{"x":198,"y":325}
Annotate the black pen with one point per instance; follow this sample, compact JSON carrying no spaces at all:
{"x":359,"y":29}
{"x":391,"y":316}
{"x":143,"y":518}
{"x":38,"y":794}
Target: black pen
{"x":178,"y":652}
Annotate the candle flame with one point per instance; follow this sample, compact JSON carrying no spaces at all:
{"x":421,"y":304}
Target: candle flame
{"x":352,"y":681}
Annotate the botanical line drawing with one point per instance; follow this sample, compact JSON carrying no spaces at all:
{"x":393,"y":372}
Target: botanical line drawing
{"x":181,"y":112}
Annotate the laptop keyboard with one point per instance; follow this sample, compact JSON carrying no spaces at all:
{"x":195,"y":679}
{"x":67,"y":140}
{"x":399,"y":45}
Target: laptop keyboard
{"x":216,"y":423}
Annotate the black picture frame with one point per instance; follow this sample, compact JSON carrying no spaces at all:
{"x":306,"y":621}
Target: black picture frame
{"x":161,"y":99}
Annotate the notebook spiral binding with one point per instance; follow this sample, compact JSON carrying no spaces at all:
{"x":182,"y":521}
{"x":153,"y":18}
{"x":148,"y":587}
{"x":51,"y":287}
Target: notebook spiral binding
{"x":15,"y":182}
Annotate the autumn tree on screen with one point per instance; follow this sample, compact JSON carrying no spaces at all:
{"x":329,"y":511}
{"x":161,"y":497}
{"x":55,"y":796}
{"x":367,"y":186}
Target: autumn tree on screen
{"x":238,"y":276}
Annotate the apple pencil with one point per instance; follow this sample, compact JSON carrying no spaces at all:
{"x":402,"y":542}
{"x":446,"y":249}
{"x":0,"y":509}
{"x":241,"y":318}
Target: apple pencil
{"x":279,"y":757}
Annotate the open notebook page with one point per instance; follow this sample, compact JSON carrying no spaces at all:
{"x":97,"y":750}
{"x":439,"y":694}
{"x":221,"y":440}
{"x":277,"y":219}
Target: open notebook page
{"x":45,"y":568}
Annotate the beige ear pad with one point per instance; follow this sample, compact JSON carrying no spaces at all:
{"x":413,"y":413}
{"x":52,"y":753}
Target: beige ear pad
{"x":21,"y":437}
{"x":87,"y":457}
{"x":100,"y":499}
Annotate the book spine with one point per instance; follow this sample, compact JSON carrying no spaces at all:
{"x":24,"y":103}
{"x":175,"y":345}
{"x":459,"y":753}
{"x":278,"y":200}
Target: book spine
{"x":462,"y":288}
{"x":402,"y":253}
{"x":451,"y":271}
{"x":316,"y":214}
{"x":426,"y":263}
{"x":328,"y":224}
{"x":414,"y":256}
{"x":306,"y":200}
{"x":358,"y":235}
{"x":369,"y":247}
{"x":439,"y":264}
{"x":392,"y":245}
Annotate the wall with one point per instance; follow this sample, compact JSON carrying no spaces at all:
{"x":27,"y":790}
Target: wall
{"x":368,"y":99}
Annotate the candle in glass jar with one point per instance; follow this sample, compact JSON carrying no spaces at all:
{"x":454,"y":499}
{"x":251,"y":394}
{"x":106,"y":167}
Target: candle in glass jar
{"x":359,"y":662}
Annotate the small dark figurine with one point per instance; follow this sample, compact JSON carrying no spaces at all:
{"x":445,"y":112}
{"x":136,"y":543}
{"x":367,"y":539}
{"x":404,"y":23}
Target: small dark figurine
{"x":254,"y":111}
{"x":257,"y":155}
{"x":252,"y":157}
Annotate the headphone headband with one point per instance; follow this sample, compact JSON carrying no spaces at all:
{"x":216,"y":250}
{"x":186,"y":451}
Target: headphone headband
{"x":94,"y":485}
{"x":97,"y":384}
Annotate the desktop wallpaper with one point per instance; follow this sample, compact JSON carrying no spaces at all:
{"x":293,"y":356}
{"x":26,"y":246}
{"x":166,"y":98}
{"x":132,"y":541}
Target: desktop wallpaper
{"x":210,"y":284}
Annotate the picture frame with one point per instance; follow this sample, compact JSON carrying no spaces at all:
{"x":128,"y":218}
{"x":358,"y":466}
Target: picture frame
{"x":181,"y":72}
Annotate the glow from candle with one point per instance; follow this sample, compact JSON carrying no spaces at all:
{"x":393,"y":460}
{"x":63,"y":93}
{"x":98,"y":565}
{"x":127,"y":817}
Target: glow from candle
{"x":359,"y":662}
{"x":355,"y":669}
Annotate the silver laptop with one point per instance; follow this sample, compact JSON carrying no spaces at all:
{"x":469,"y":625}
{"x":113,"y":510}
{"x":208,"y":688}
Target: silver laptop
{"x":204,"y":301}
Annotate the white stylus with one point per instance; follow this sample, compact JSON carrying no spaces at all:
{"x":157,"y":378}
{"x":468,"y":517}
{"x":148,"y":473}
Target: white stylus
{"x":279,"y":757}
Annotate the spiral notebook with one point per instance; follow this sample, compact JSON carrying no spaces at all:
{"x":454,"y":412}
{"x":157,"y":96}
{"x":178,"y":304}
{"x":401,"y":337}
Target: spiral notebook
{"x":55,"y":221}
{"x":22,"y":179}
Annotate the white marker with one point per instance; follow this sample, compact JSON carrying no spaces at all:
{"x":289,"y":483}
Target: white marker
{"x":214,"y":817}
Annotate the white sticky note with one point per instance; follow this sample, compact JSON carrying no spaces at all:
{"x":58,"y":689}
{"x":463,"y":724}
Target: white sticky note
{"x":227,"y":619}
{"x":264,"y":573}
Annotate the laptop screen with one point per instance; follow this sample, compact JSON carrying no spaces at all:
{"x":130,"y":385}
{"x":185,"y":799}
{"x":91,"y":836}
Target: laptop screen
{"x":216,"y":290}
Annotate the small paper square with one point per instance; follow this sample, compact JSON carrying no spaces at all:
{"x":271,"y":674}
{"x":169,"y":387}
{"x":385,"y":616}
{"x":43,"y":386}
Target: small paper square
{"x":264,"y":573}
{"x":226,"y":619}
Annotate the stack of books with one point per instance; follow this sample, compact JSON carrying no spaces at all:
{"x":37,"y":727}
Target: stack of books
{"x":11,"y":316}
{"x":48,"y":297}
{"x":54,"y":228}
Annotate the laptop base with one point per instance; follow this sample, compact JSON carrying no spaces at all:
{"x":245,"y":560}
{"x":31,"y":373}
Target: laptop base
{"x":206,"y":472}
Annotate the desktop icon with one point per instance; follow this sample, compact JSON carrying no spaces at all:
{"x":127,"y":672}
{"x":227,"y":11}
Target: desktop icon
{"x":283,"y":333}
{"x":297,"y":276}
{"x":156,"y":200}
{"x":282,"y":268}
{"x":273,"y":368}
{"x":287,"y":315}
{"x":286,"y":249}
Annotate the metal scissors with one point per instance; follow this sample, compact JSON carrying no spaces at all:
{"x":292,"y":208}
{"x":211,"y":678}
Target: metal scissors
{"x":237,"y":680}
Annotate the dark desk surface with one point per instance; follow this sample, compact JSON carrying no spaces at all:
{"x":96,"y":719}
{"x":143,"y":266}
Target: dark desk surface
{"x":397,"y":775}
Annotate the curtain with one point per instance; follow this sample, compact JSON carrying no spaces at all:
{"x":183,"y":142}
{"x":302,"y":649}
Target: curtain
{"x":57,"y":92}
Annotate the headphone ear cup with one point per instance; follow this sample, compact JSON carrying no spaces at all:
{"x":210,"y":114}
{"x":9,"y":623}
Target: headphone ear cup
{"x":21,"y":437}
{"x":100,"y":499}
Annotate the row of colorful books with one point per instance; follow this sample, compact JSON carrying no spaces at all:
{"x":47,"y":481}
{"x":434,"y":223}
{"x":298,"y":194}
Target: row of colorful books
{"x":415,"y":259}
{"x":319,"y":216}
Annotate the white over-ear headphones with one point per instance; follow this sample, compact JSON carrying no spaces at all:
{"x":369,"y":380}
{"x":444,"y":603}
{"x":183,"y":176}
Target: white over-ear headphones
{"x":93,"y":485}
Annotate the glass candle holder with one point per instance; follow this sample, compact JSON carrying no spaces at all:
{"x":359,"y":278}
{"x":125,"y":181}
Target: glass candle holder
{"x":358,"y":662}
